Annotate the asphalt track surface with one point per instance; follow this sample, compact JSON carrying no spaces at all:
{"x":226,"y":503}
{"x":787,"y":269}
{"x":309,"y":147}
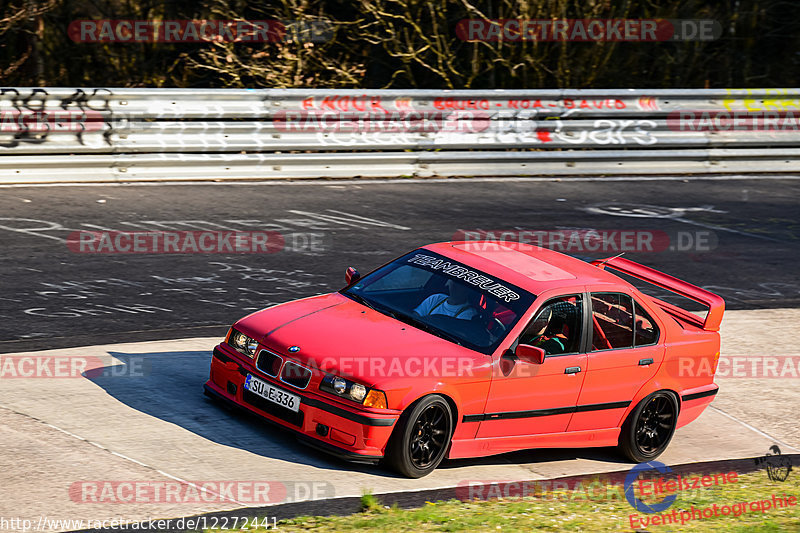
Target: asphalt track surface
{"x":154,"y":425}
{"x":67,"y":446}
{"x":748,"y":233}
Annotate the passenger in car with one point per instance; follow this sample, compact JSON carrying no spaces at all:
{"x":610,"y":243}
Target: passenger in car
{"x":456,"y":304}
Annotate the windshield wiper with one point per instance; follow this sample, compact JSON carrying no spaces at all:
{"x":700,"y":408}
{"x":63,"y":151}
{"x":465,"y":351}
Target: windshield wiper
{"x":360,"y":299}
{"x":381,"y":309}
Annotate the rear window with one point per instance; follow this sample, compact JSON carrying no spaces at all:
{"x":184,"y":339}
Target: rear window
{"x":620,"y":322}
{"x":646,"y":328}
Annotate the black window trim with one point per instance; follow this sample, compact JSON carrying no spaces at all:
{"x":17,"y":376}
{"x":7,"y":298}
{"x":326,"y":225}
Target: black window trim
{"x":581,"y":344}
{"x":633,"y":346}
{"x":636,"y":305}
{"x":633,"y":329}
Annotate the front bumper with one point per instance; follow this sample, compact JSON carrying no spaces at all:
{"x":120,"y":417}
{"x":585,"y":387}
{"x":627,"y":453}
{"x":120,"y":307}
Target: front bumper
{"x":350,"y":434}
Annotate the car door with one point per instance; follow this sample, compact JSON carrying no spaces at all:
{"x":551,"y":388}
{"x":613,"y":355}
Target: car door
{"x":531,"y":399}
{"x":624,"y":354}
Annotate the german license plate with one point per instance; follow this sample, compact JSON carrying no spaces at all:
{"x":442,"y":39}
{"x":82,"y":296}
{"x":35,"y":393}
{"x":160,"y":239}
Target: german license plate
{"x":271,"y":393}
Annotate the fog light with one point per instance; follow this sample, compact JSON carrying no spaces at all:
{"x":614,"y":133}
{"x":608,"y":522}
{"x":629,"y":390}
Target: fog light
{"x":322,"y":430}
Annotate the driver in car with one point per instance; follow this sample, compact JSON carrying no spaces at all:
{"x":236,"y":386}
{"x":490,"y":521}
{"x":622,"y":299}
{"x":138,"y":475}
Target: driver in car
{"x":550,"y":337}
{"x":456,"y":304}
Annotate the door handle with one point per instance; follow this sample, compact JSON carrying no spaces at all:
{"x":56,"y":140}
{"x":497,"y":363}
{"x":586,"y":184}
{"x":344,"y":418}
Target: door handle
{"x":645,"y":362}
{"x":572,"y":370}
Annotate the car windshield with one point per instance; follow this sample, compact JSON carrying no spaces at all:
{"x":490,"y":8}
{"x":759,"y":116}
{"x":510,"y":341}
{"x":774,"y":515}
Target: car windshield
{"x":445,"y":298}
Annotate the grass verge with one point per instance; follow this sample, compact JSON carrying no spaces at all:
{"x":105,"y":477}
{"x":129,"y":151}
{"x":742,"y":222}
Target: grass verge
{"x":575,"y":511}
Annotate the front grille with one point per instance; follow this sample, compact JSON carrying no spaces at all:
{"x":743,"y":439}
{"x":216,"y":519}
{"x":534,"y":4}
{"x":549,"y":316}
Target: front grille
{"x":296,"y":375}
{"x":269,"y":363}
{"x":287,"y":415}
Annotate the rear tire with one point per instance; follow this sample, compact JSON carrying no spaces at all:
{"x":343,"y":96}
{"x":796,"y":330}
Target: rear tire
{"x":421,"y":438}
{"x":649,"y":428}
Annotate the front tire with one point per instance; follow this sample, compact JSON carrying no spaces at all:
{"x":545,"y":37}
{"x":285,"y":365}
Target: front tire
{"x":649,"y":428}
{"x":421,"y":438}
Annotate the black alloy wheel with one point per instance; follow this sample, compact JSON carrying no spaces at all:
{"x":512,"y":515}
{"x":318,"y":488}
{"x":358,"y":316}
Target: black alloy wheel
{"x":649,"y":428}
{"x":421,"y":438}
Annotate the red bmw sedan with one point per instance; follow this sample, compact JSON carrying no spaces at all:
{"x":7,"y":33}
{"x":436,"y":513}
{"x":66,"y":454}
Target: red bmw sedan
{"x":468,"y":349}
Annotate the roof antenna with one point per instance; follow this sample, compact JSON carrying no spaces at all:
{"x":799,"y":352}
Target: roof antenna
{"x":600,"y":265}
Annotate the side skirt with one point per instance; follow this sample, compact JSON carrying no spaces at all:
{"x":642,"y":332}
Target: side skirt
{"x":495,"y":445}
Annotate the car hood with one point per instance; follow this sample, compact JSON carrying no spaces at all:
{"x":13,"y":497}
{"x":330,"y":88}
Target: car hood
{"x":337,"y":334}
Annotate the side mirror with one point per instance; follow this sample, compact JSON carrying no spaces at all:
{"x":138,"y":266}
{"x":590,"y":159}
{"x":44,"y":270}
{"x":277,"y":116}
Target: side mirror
{"x":530,"y":354}
{"x":351,"y":275}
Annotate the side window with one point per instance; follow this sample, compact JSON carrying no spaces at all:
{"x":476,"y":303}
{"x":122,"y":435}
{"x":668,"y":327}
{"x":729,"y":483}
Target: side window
{"x":646,"y":329}
{"x":556,"y":328}
{"x":612,"y":321}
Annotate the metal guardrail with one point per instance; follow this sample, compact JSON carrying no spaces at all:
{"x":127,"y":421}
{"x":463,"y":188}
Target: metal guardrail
{"x":91,"y":135}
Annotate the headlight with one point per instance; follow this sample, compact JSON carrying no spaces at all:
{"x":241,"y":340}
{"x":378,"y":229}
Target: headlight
{"x":352,"y":391}
{"x":358,"y":392}
{"x":339,"y":385}
{"x":243,"y":344}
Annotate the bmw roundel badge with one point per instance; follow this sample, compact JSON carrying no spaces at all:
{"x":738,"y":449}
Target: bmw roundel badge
{"x":294,"y":349}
